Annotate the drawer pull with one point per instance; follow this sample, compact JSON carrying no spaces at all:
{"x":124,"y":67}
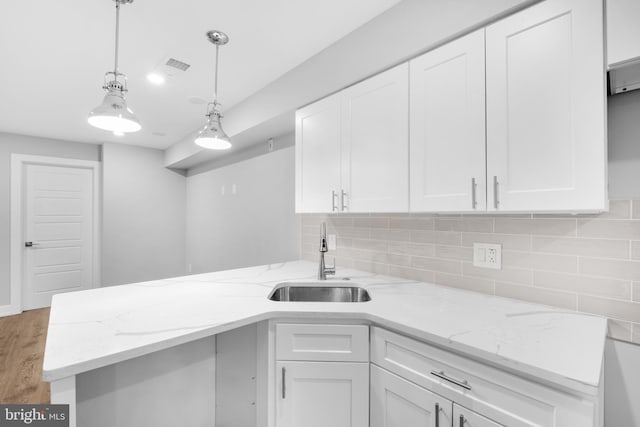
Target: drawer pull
{"x":283,"y":377}
{"x":437,"y":415}
{"x":445,"y":377}
{"x":462,"y":420}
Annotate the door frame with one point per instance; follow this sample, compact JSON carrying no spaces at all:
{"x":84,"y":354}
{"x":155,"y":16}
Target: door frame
{"x":18,"y":166}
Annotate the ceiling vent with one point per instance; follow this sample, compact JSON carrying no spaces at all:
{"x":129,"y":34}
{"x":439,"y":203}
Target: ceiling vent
{"x":178,"y":65}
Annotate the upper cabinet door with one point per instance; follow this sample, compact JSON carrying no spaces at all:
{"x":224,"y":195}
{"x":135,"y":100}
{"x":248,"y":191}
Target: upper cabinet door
{"x":447,"y":133}
{"x":546,"y":107}
{"x":318,"y":156}
{"x":623,"y":30}
{"x":375,"y":155}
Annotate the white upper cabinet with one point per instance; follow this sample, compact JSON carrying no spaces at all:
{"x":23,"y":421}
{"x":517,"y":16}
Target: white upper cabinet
{"x":623,"y":31}
{"x":546,"y":105}
{"x":375,"y":135}
{"x":447,"y":133}
{"x":352,"y":148}
{"x":318,"y":156}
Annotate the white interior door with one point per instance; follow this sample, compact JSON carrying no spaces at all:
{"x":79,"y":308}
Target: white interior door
{"x":57,"y":217}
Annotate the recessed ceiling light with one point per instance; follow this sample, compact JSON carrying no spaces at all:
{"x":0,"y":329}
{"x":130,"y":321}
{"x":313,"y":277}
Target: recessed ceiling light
{"x":116,"y":133}
{"x":155,"y":78}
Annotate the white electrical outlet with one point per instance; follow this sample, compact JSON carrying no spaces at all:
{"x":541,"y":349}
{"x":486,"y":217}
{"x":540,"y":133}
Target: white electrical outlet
{"x":487,"y":255}
{"x":331,"y":242}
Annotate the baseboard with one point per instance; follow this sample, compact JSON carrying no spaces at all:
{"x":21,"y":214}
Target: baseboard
{"x":8,"y":310}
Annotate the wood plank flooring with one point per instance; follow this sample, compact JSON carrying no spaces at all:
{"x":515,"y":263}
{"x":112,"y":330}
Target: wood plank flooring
{"x":22,"y":339}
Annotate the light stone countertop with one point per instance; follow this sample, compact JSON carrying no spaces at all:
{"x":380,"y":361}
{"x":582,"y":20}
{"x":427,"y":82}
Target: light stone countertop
{"x":104,"y":326}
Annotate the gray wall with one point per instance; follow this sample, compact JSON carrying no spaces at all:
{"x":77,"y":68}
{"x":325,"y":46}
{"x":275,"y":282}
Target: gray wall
{"x":257,"y":225}
{"x":624,"y":145}
{"x":143,"y":216}
{"x":21,"y":144}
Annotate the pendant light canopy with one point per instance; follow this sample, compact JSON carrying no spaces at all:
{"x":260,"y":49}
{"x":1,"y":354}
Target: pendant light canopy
{"x":113,"y":114}
{"x":212,"y":135}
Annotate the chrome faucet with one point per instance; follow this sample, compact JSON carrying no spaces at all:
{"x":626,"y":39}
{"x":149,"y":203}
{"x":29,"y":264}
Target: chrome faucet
{"x":322,"y":270}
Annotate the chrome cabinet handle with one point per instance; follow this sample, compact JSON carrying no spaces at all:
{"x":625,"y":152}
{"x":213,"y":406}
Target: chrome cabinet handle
{"x":440,"y":374}
{"x":461,"y":420}
{"x":496,"y":186}
{"x":283,"y":386}
{"x":474,"y":202}
{"x":343,"y":200}
{"x":437,"y":415}
{"x":334,"y":197}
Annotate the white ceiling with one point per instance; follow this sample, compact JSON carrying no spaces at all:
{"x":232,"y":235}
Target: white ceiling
{"x":53,"y":55}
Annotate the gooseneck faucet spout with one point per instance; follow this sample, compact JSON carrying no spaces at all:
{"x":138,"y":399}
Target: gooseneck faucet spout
{"x":322,"y":269}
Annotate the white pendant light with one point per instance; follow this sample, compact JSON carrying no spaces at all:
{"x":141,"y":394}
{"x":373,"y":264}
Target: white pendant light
{"x":212,"y":135}
{"x":113,"y":114}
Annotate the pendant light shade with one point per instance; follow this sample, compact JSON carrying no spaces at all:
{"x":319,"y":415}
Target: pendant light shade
{"x":113,"y":114}
{"x":212,"y":136}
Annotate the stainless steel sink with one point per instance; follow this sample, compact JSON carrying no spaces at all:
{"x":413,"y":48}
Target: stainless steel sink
{"x":319,"y":292}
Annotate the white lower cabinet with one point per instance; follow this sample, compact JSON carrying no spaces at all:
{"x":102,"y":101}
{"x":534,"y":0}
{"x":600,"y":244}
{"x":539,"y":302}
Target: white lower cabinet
{"x":322,"y":375}
{"x":322,"y":394}
{"x":332,"y":376}
{"x":463,"y":417}
{"x":396,"y":402}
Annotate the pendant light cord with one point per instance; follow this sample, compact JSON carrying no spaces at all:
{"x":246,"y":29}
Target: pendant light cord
{"x":117,"y":36}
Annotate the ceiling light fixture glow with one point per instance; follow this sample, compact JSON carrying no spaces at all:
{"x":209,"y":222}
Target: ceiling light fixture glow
{"x":155,"y":78}
{"x":212,"y":136}
{"x":118,"y":133}
{"x":113,"y":114}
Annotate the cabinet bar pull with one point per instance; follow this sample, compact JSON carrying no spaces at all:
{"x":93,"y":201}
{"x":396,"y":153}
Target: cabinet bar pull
{"x":461,"y":420}
{"x":474,"y":202}
{"x":343,"y":200}
{"x":283,"y":386}
{"x":334,"y":196}
{"x":437,"y":415}
{"x":496,"y":185}
{"x":445,"y":377}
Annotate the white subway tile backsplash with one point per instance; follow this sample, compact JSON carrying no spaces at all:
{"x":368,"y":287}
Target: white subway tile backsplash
{"x":620,"y":330}
{"x":579,"y":246}
{"x":619,"y":310}
{"x":462,"y":282}
{"x":538,"y":261}
{"x":475,"y":224}
{"x":612,"y":229}
{"x":516,"y":242}
{"x":600,"y":286}
{"x":603,"y":267}
{"x":537,"y":295}
{"x":541,"y":227}
{"x":586,"y":262}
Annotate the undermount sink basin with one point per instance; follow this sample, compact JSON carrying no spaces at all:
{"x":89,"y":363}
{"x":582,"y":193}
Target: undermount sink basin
{"x":318,"y":292}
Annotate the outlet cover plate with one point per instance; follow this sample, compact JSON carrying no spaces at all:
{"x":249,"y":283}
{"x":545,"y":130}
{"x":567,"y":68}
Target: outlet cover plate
{"x":487,"y":255}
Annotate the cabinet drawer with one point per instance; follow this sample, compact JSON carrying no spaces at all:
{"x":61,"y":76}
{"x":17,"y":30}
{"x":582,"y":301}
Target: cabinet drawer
{"x":336,"y":343}
{"x":500,"y":396}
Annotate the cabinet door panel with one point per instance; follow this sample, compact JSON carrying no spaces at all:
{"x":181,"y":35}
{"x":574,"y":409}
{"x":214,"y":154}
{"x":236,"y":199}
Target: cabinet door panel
{"x":376,"y":143}
{"x":623,"y":31}
{"x":321,"y":394}
{"x":546,"y":141}
{"x":463,"y":417}
{"x":318,"y":155}
{"x":396,"y":402}
{"x":447,"y":133}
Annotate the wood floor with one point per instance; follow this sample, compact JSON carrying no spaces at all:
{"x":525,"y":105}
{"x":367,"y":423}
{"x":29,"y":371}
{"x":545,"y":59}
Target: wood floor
{"x":22,"y":339}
